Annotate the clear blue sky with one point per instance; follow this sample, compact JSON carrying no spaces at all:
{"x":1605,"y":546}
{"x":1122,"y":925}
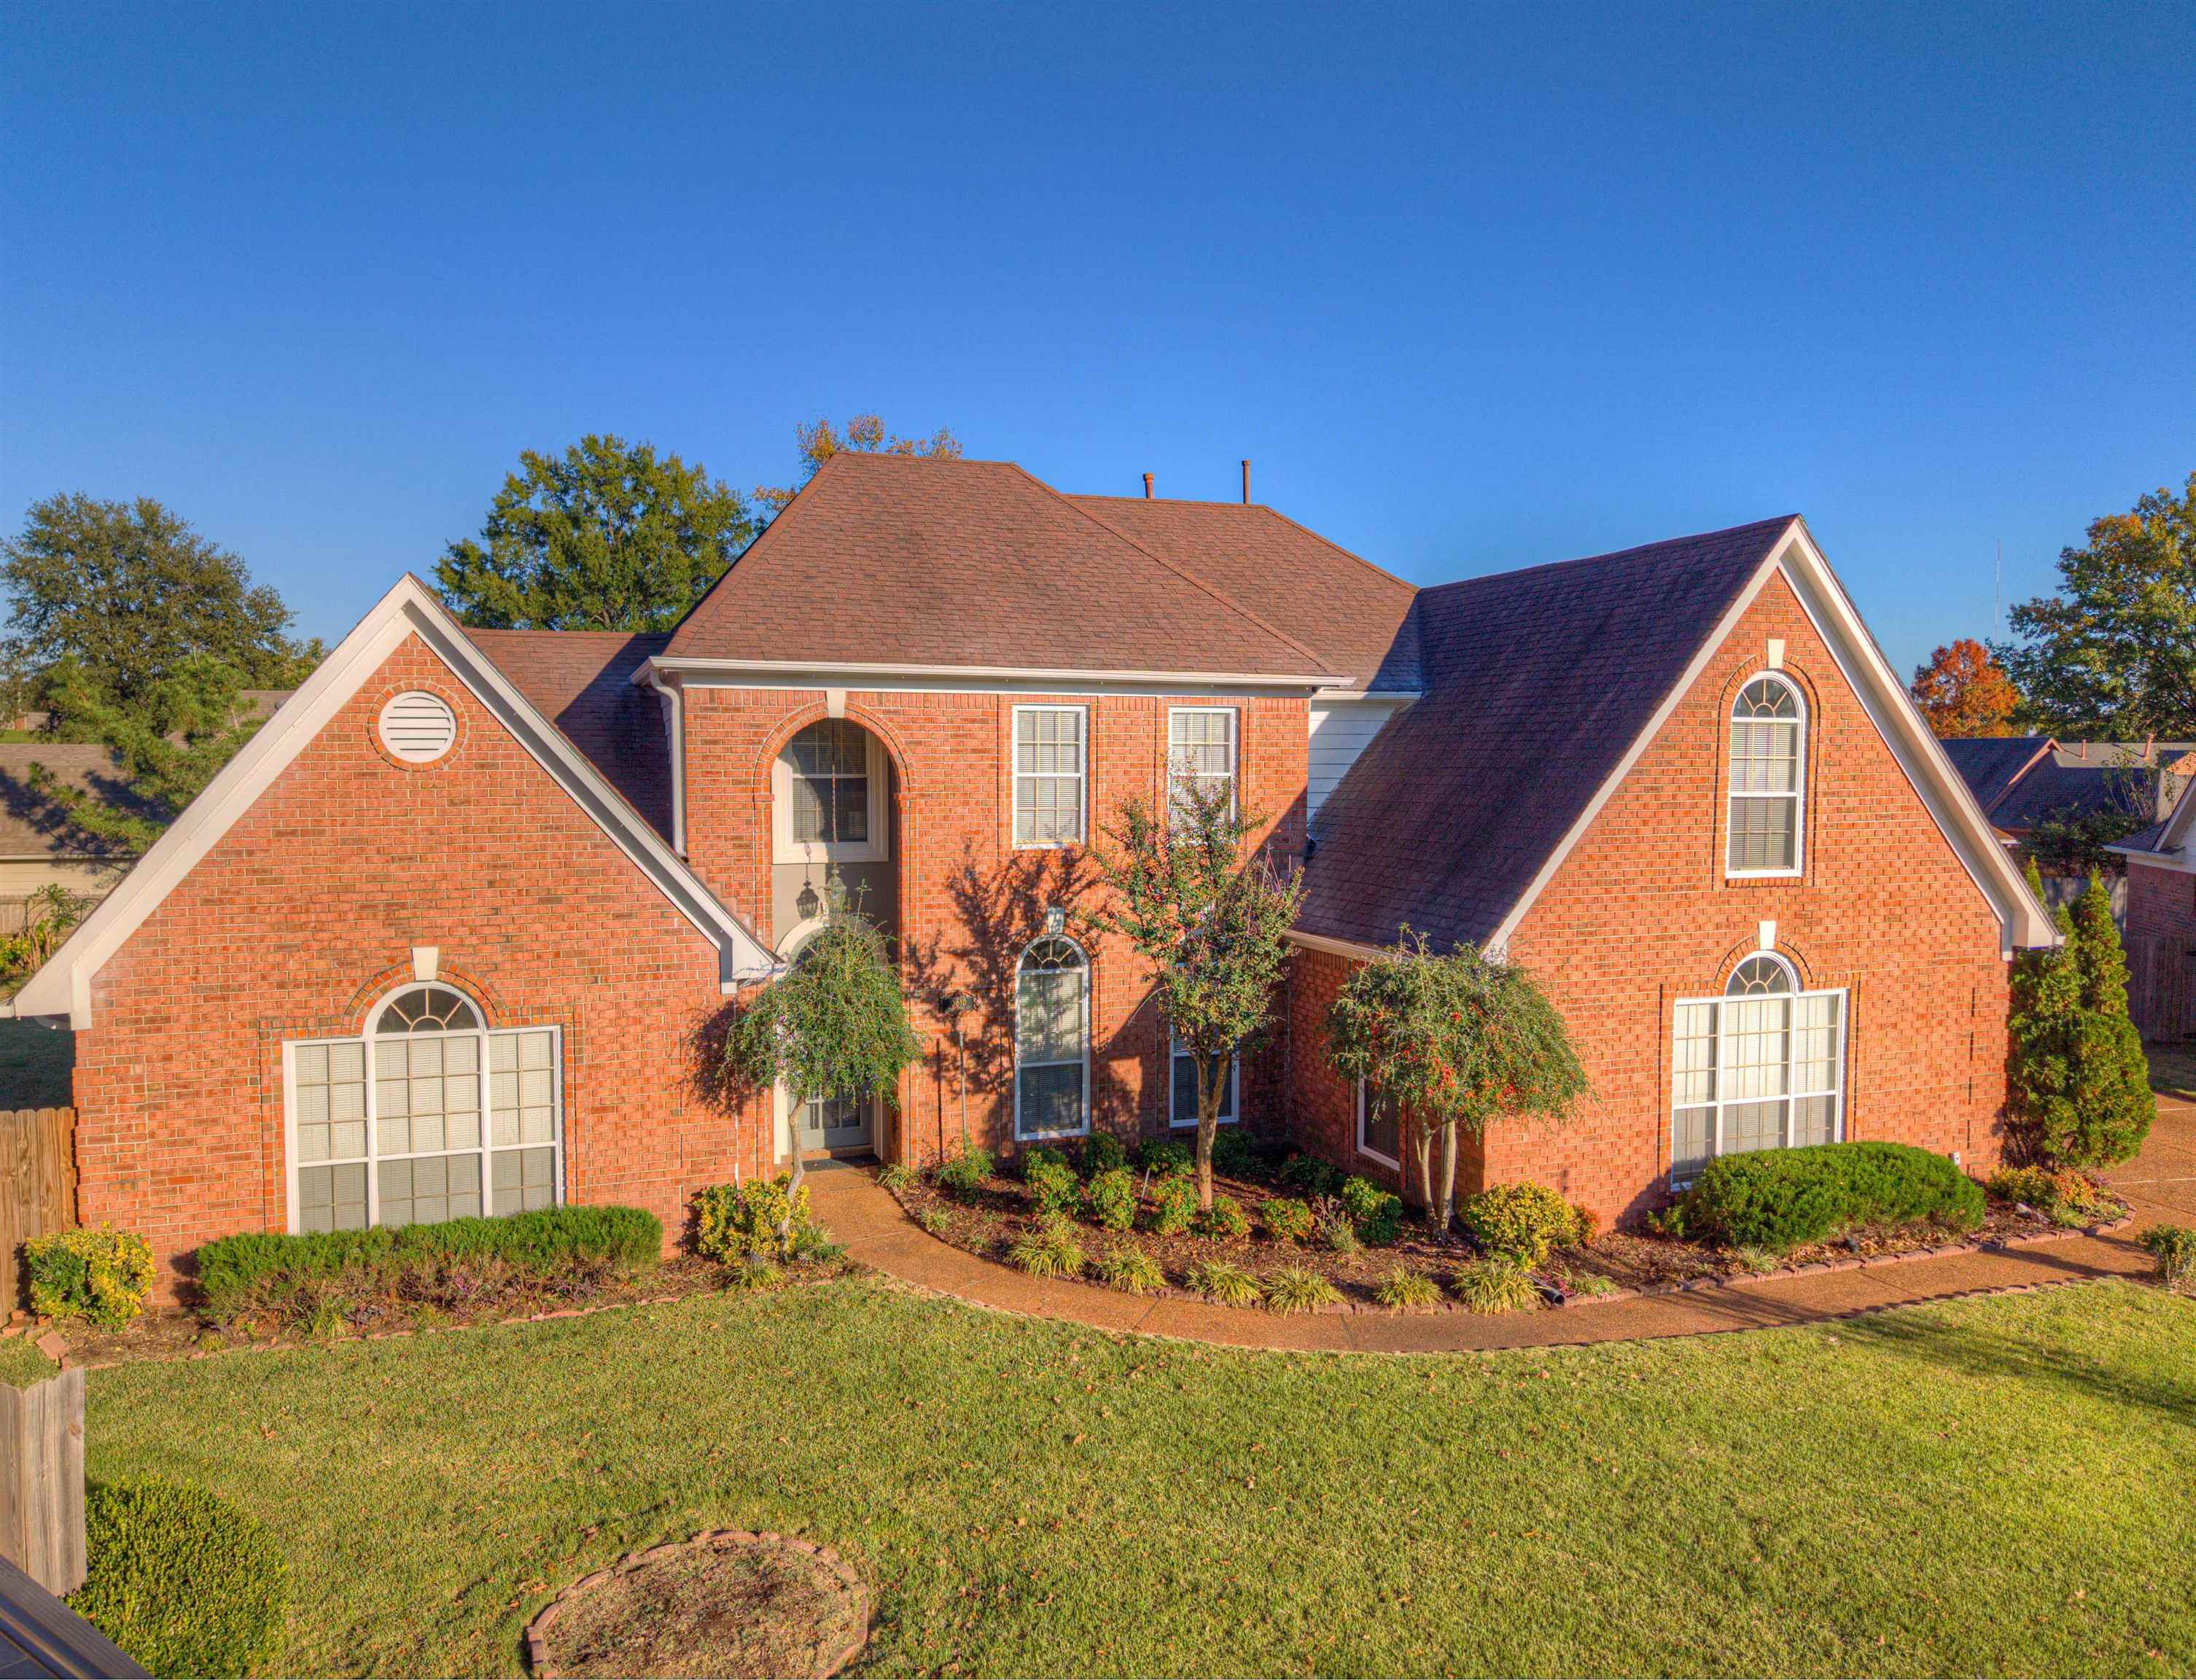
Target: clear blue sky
{"x":1474,"y":286}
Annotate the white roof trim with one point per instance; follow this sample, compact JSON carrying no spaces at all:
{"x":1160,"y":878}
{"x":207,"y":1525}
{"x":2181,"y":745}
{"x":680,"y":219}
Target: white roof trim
{"x":824,"y":674}
{"x":2022,"y":921}
{"x":63,"y":986}
{"x":1335,"y":947}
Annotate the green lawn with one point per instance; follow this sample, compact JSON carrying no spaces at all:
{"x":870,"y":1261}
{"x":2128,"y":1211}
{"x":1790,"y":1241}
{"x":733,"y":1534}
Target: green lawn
{"x":35,"y":1065}
{"x":1991,"y":1486}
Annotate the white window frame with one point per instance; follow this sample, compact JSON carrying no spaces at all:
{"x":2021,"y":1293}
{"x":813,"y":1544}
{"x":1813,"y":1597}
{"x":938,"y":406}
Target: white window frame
{"x":1720,"y":1037}
{"x":373,"y":1158}
{"x":1081,"y":778}
{"x":784,"y":849}
{"x":1084,"y":1129}
{"x":1234,"y":751}
{"x":1393,"y":1162}
{"x":1798,"y":796}
{"x":1175,"y":1116}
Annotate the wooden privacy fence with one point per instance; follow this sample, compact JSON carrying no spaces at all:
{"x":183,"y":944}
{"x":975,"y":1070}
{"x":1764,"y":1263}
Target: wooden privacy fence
{"x":42,"y":1481}
{"x":2162,"y":986}
{"x":38,"y":1187}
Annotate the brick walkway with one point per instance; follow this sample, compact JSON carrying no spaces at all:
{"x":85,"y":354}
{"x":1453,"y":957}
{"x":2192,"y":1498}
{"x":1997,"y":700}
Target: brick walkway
{"x":2159,"y":1184}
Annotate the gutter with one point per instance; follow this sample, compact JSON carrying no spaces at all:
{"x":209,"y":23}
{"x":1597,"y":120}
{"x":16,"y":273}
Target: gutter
{"x":675,"y":726}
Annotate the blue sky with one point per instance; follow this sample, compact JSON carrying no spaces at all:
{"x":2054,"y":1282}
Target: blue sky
{"x":1473,"y":286}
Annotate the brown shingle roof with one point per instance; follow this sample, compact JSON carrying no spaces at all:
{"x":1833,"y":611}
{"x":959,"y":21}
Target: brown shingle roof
{"x":581,"y":681}
{"x":883,"y":559}
{"x":32,"y":826}
{"x":1319,"y":595}
{"x":1536,"y":684}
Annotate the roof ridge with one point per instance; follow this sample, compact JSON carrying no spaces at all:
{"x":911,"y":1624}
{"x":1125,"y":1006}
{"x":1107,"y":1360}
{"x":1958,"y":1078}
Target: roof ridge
{"x":1781,"y":521}
{"x":1319,"y":661}
{"x":1271,"y":511}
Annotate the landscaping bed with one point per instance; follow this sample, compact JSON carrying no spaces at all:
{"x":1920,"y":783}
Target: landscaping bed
{"x":996,"y":1213}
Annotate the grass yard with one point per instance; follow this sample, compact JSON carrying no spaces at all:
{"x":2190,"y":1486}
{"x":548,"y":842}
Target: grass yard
{"x":35,"y":1065}
{"x":1989,"y":1486}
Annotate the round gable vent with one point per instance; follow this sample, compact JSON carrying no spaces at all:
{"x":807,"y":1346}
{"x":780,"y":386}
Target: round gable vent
{"x":418,"y":728}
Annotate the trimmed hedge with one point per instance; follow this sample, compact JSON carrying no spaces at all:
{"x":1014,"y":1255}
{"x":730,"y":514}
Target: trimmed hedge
{"x":1519,"y":1222}
{"x":1779,"y":1200}
{"x":182,"y":1580}
{"x":236,"y":1274}
{"x":102,"y":1274}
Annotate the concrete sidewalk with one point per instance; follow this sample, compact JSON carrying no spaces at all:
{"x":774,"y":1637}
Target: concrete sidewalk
{"x":2159,"y":1184}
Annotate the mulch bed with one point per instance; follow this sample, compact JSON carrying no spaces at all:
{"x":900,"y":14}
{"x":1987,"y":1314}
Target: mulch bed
{"x":1617,"y":1260}
{"x":727,"y":1603}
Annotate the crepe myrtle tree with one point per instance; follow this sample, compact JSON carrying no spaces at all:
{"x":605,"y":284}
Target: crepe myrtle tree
{"x":836,"y":1021}
{"x":1210,"y":921}
{"x":1455,"y":1038}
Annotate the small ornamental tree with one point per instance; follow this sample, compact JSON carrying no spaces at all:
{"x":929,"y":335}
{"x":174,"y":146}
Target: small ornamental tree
{"x":1455,"y":1038}
{"x":1210,"y":921}
{"x":2079,"y":1088}
{"x":837,"y":1021}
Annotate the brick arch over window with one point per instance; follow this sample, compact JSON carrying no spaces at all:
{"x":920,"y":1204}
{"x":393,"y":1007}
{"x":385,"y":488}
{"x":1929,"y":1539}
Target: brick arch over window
{"x":800,"y":718}
{"x":1729,"y":964}
{"x":387,"y":981}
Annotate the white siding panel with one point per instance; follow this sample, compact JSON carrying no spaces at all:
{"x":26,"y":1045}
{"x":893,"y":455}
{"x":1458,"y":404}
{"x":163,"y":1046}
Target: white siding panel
{"x":1340,"y":730}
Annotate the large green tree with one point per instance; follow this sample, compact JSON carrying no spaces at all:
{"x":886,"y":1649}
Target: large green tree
{"x":1212,"y":923}
{"x":1455,"y":1038}
{"x":864,"y":434}
{"x":129,"y":628}
{"x":608,"y":535}
{"x":2113,"y":653}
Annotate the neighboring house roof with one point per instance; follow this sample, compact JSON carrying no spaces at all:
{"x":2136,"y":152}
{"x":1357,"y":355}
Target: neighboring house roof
{"x":63,"y":986}
{"x":581,"y":681}
{"x":2168,"y":844}
{"x":888,"y":561}
{"x":1357,"y":616}
{"x":32,"y":825}
{"x":2020,"y":779}
{"x":1991,"y":764}
{"x":1541,"y":688}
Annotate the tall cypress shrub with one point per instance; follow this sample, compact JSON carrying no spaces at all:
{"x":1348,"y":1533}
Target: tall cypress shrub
{"x":2044,"y":1024}
{"x":2116,"y":1099}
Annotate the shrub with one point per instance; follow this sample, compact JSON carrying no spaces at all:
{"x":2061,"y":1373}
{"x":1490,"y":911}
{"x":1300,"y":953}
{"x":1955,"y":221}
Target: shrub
{"x":1224,"y":1220}
{"x":2175,"y":1247}
{"x":935,"y":1220}
{"x":182,"y":1581}
{"x":2029,"y":1184}
{"x":1165,"y":1157}
{"x":1587,"y":1224}
{"x":1296,"y":1289}
{"x":1404,"y":1289}
{"x":733,"y":1221}
{"x":1778,"y":1200}
{"x":1047,"y":1249}
{"x":1519,"y":1222}
{"x":1237,"y":1154}
{"x":1225,"y":1282}
{"x":1309,"y":1177}
{"x":1491,"y":1286}
{"x":756,"y":1272}
{"x":965,"y":1175}
{"x":1039,"y":1159}
{"x":1174,"y":1205}
{"x":1335,"y":1233}
{"x":1102,"y":1152}
{"x":322,"y":1277}
{"x":896,"y":1176}
{"x":103,"y":1275}
{"x":1053,"y":1187}
{"x":1377,"y":1214}
{"x":1132,"y":1270}
{"x":2078,"y":1087}
{"x":1285,"y":1219}
{"x":1111,"y":1199}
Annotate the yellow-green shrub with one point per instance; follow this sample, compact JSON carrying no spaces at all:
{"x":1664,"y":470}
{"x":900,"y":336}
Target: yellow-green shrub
{"x":102,"y":1274}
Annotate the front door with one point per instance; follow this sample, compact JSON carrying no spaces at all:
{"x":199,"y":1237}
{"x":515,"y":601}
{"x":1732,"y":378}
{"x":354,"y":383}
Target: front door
{"x":834,"y":1123}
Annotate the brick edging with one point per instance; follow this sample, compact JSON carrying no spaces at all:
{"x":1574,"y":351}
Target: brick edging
{"x":537,"y":1631}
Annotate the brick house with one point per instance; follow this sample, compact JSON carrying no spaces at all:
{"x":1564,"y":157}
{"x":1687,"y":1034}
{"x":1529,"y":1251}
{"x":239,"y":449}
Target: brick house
{"x":452,"y":933}
{"x":2161,"y":925}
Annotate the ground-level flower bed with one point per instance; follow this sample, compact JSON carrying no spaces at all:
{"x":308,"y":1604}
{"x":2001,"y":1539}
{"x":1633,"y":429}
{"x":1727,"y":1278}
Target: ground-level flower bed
{"x":1053,"y":1230}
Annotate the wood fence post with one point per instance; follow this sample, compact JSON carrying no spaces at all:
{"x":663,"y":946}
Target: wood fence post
{"x":42,"y":1481}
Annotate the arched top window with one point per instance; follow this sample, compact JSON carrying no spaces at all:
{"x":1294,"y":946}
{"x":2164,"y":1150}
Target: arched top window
{"x":1760,"y":976}
{"x":1052,"y":1039}
{"x":1768,"y":772}
{"x":428,"y":1009}
{"x":828,"y":789}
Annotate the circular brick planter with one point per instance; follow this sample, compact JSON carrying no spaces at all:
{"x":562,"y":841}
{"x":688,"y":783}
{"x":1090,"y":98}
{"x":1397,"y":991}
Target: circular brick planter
{"x":820,"y":1563}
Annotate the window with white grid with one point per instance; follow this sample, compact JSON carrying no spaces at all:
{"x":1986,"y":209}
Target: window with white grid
{"x":1181,"y":1087}
{"x":1052,"y":1040}
{"x":1768,"y":757}
{"x":1760,"y":1068}
{"x":429,"y":1117}
{"x":1050,"y":756}
{"x":1200,"y":752}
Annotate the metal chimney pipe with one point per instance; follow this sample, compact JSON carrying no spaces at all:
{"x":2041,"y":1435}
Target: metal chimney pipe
{"x":1246,"y":481}
{"x":1147,"y":487}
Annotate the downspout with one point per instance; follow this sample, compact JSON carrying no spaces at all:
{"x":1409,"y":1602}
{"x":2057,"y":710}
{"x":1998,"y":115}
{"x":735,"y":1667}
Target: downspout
{"x":675,"y":731}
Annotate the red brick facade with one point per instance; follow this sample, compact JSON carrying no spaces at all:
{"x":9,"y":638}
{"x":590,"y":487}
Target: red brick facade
{"x":1639,"y":916}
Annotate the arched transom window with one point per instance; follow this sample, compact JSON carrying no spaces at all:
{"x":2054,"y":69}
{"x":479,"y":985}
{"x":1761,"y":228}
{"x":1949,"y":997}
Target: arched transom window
{"x":1768,"y":760}
{"x":1052,"y":1040}
{"x":1760,"y":1068}
{"x":406,"y":1124}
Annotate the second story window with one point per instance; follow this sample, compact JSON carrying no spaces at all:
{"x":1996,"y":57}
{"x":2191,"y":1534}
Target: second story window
{"x":1049,"y":759}
{"x":829,"y":795}
{"x":1200,"y":752}
{"x":1768,"y":757}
